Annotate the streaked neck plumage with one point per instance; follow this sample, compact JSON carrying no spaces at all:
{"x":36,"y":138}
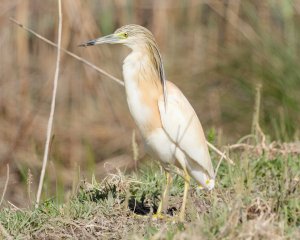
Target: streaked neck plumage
{"x":149,"y":49}
{"x":143,"y":88}
{"x":141,"y":66}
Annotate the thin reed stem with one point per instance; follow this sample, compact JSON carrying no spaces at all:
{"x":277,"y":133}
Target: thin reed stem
{"x":51,"y":117}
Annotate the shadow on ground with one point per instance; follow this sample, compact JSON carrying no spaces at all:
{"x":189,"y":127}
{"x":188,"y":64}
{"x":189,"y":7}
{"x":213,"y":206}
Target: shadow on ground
{"x":143,"y":208}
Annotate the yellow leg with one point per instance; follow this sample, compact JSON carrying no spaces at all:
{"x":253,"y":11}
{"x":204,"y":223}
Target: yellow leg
{"x":164,"y":199}
{"x":185,"y":194}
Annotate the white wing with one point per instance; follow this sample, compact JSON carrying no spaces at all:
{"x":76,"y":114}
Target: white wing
{"x":182,"y":125}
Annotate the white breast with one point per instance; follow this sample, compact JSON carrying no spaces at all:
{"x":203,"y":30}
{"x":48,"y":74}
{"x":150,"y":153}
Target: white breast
{"x":132,"y":66}
{"x":161,"y":147}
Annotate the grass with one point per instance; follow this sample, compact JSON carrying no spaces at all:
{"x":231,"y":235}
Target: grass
{"x":258,"y":198}
{"x":217,"y":69}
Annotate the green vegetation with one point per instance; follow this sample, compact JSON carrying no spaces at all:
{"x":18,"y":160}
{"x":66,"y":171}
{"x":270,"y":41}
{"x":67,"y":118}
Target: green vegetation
{"x":216,"y":52}
{"x":257,"y":198}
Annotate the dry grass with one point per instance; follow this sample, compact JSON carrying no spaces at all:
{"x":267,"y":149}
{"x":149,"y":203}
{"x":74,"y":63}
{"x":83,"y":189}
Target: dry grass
{"x":53,"y":101}
{"x":258,"y":198}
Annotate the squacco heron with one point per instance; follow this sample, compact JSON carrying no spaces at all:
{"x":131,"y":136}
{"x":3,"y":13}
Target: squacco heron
{"x":167,"y":121}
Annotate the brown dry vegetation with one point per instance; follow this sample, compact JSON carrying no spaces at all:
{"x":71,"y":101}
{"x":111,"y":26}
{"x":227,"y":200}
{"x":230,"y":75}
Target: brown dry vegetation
{"x":215,"y":51}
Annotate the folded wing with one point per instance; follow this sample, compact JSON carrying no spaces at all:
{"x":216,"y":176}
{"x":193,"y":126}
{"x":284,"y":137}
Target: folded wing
{"x":182,"y":125}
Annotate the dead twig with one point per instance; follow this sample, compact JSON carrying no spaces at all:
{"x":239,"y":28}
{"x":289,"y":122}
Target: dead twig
{"x":68,"y":52}
{"x":14,"y":206}
{"x":219,"y":163}
{"x":220,"y":153}
{"x":273,"y":147}
{"x":51,"y":117}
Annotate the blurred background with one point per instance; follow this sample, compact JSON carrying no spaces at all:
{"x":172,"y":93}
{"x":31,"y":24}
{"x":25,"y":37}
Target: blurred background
{"x":217,"y":52}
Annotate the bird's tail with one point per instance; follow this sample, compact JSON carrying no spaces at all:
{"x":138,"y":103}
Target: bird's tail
{"x":209,"y":184}
{"x":203,"y":180}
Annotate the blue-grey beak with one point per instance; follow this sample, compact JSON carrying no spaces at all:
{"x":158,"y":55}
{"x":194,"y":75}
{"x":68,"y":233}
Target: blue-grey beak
{"x":112,"y":38}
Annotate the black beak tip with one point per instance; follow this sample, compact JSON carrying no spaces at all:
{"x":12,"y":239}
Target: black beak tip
{"x":88,"y":43}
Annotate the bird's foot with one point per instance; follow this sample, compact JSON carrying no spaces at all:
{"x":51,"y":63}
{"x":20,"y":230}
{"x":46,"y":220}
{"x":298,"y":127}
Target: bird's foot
{"x":158,"y":216}
{"x":141,"y":217}
{"x":177,"y":220}
{"x":155,"y":217}
{"x":172,"y":219}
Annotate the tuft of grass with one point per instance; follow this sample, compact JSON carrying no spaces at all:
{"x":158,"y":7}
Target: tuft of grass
{"x":257,"y":198}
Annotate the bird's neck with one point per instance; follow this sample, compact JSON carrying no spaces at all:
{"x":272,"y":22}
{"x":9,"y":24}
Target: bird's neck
{"x":138,"y":66}
{"x":143,"y":89}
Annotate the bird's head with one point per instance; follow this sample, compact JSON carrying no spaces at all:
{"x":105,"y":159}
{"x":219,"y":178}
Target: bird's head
{"x":137,"y":38}
{"x":130,"y":35}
